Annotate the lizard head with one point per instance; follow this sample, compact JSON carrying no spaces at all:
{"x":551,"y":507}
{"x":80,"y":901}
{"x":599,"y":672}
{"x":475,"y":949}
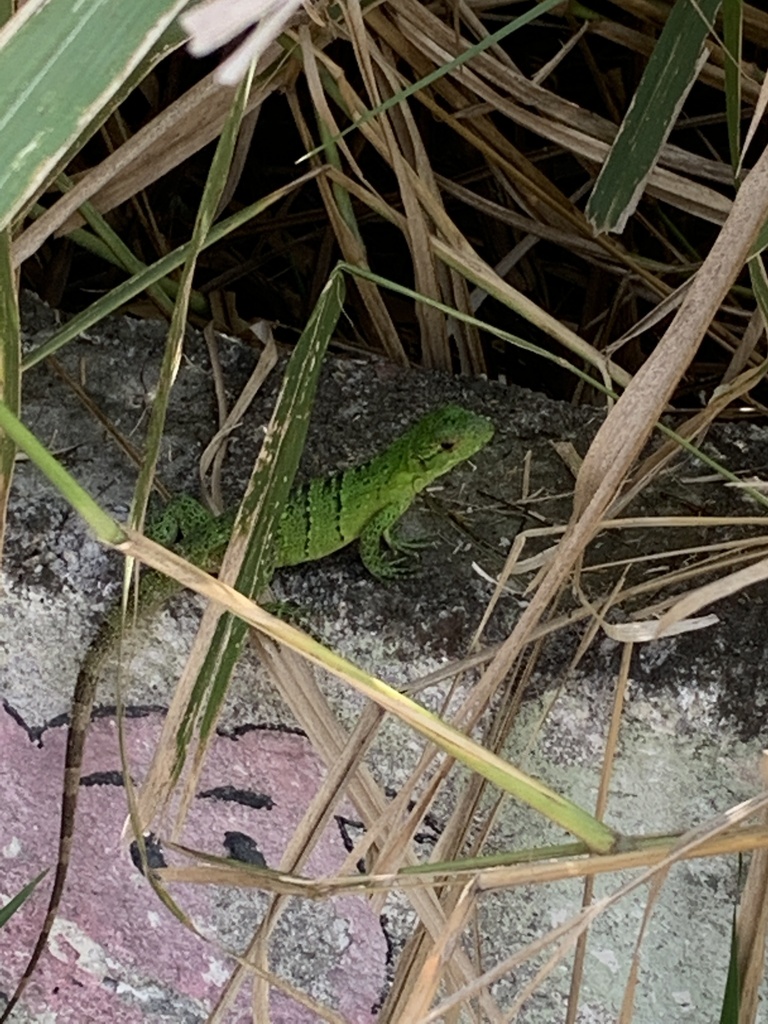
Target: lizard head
{"x":442,"y":439}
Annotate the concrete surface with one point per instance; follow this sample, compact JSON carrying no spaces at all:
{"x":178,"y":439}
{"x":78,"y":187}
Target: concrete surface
{"x":692,"y":729}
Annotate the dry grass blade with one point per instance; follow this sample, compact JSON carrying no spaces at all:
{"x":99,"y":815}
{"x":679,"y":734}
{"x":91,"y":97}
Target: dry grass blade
{"x":459,"y":256}
{"x":712,"y":592}
{"x":657,"y":883}
{"x":537,"y":109}
{"x":179,"y":131}
{"x":424,"y":987}
{"x":757,"y":116}
{"x":213,"y":455}
{"x":752,"y":926}
{"x":612,"y":739}
{"x":627,"y":426}
{"x":567,"y":934}
{"x":10,"y":371}
{"x":400,"y":137}
{"x":637,"y":632}
{"x":339,"y":209}
{"x":425,"y":947}
{"x":301,"y":692}
{"x":691,"y":429}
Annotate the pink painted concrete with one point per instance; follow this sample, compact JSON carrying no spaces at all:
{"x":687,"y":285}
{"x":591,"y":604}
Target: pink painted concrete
{"x":119,"y":955}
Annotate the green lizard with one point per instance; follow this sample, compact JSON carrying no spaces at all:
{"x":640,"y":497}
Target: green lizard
{"x":362,"y":503}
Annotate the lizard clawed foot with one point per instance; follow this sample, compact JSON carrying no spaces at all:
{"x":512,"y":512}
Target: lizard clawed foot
{"x":412,"y":543}
{"x":397,"y":568}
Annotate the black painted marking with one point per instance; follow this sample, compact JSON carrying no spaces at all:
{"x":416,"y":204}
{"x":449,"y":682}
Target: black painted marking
{"x":103,"y":779}
{"x":241,"y":730}
{"x":346,"y":827}
{"x":242,"y":847}
{"x":33,"y":732}
{"x":135,"y":711}
{"x":246,"y":797}
{"x":390,"y":961}
{"x":154,"y":851}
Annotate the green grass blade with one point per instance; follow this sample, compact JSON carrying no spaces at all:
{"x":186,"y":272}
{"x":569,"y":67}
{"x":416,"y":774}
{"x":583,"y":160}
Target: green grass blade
{"x":732,"y":37}
{"x":445,"y":69}
{"x":672,"y":69}
{"x":10,"y":347}
{"x":119,"y":253}
{"x":9,"y":909}
{"x":156,"y":271}
{"x":729,"y":1013}
{"x":214,"y":187}
{"x":45,"y":98}
{"x":267,"y":492}
{"x":105,"y":528}
{"x":10,"y":367}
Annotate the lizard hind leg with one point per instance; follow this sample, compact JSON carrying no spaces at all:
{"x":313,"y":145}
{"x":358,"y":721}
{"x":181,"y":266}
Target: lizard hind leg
{"x":183,"y":516}
{"x":406,"y":544}
{"x":375,"y":557}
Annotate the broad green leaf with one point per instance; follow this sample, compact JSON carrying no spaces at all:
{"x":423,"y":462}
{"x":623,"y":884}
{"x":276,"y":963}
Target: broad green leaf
{"x":672,"y":69}
{"x":60,"y":63}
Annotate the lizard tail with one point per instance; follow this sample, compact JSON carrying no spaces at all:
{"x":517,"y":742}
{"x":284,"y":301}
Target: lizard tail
{"x":82,"y":704}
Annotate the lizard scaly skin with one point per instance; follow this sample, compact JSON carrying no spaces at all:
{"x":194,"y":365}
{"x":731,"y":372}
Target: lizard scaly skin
{"x":322,"y":516}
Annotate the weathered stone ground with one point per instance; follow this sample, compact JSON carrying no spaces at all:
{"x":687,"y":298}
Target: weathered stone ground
{"x":692,"y":729}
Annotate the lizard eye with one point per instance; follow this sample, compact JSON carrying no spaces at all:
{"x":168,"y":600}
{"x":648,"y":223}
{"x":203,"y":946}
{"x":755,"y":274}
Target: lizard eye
{"x":447,"y":446}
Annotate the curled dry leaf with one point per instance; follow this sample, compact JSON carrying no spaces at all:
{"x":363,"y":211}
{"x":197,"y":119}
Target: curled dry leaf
{"x":716,"y":591}
{"x":648,"y":629}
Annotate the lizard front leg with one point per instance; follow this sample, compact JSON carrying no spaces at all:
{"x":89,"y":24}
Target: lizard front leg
{"x":378,"y":529}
